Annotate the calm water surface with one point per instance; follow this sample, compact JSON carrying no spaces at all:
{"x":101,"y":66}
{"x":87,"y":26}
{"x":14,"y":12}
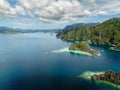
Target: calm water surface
{"x":26,"y":63}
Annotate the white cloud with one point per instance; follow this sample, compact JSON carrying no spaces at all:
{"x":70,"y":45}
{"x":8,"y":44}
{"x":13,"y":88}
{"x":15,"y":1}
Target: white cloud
{"x":58,"y":10}
{"x":7,"y":11}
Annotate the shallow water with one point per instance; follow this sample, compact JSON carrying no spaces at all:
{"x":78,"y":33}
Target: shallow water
{"x":27,"y":63}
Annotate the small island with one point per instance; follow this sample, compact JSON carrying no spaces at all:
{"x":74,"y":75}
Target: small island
{"x":80,"y":48}
{"x":83,"y":46}
{"x":109,"y":77}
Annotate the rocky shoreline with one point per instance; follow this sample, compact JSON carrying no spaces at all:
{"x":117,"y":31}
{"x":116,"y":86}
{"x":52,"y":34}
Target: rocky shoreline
{"x":108,"y":76}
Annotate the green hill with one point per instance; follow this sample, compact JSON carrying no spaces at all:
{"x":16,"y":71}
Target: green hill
{"x":106,"y":33}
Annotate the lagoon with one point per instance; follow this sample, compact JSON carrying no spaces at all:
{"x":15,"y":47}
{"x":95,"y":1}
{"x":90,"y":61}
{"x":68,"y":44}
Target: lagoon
{"x":27,"y":63}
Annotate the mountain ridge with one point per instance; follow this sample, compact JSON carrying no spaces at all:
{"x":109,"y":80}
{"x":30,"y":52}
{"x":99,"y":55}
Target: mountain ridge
{"x":6,"y":30}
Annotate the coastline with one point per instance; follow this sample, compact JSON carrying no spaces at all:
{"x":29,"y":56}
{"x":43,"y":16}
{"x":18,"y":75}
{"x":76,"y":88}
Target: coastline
{"x":73,"y":51}
{"x":112,"y":48}
{"x":87,"y":75}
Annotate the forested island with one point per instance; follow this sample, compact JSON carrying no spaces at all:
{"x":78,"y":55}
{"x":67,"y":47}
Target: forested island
{"x":83,"y":46}
{"x":108,"y":77}
{"x":106,"y":33}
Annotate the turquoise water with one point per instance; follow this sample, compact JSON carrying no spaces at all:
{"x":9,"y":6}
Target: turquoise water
{"x":27,"y":63}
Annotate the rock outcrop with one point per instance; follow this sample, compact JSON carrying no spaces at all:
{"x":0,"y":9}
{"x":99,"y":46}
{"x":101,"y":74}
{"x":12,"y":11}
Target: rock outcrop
{"x":108,"y":76}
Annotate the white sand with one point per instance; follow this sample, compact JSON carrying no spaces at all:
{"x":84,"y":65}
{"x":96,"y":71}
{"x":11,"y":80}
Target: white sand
{"x":73,"y":51}
{"x":88,"y":74}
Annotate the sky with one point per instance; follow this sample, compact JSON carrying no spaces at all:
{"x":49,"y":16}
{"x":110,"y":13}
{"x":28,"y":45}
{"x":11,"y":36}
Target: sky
{"x":55,"y":14}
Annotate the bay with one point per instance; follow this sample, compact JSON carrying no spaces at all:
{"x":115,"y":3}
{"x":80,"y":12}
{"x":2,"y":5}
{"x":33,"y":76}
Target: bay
{"x":27,"y":63}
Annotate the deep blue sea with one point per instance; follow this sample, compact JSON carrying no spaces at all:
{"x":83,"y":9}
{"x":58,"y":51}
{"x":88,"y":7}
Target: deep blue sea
{"x":27,"y":63}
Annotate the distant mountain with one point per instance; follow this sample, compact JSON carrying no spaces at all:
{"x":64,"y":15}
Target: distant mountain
{"x":106,"y":33}
{"x":8,"y":30}
{"x":77,"y":26}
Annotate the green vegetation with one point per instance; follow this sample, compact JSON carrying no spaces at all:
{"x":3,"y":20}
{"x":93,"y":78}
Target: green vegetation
{"x":83,"y":46}
{"x":72,"y":51}
{"x":106,"y":33}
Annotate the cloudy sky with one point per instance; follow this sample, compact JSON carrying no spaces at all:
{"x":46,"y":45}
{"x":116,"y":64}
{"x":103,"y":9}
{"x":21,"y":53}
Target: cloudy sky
{"x":45,"y":14}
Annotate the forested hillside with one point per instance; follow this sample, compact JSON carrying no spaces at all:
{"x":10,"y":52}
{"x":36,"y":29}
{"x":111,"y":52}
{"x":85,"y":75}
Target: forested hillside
{"x":106,"y":33}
